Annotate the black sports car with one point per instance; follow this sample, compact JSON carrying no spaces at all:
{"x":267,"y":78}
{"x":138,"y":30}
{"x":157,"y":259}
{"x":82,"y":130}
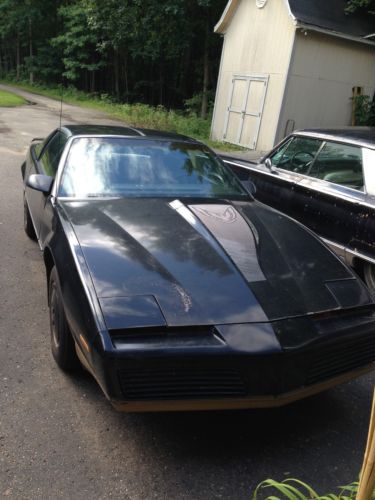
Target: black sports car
{"x":176,"y":289}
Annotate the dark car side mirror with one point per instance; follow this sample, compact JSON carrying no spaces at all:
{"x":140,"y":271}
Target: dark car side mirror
{"x":40,"y":182}
{"x":269,"y":165}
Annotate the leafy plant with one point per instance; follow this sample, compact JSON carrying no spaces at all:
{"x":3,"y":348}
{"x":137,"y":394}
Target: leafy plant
{"x":194,"y":104}
{"x":294,"y":489}
{"x":353,"y":5}
{"x":364,"y":110}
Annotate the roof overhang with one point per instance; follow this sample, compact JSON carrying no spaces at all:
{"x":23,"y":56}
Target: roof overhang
{"x":229,"y":11}
{"x":310,"y":27}
{"x":231,"y":7}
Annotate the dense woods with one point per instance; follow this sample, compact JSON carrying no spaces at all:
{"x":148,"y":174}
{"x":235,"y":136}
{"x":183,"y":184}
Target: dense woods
{"x":160,"y":52}
{"x":157,"y":52}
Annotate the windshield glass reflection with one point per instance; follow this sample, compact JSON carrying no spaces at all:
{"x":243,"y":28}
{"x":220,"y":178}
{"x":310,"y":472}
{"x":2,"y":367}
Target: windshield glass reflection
{"x":102,"y":166}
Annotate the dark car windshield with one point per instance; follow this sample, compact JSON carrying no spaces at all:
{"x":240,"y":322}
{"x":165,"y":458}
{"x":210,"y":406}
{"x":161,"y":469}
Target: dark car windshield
{"x":106,"y":166}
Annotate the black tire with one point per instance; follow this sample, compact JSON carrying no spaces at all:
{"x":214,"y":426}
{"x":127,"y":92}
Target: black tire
{"x":27,"y":221}
{"x":369,"y":275}
{"x":62,"y":343}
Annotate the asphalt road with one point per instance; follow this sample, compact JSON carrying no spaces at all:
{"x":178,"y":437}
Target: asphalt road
{"x":60,"y":438}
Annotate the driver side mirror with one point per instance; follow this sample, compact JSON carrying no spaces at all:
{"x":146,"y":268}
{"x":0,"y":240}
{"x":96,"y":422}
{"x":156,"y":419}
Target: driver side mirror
{"x":39,"y":182}
{"x":270,"y":166}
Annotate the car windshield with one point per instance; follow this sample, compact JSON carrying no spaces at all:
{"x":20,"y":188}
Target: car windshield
{"x":104,"y":166}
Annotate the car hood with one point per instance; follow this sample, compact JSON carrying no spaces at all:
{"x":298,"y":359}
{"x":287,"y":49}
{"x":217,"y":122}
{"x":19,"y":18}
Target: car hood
{"x":200,"y":262}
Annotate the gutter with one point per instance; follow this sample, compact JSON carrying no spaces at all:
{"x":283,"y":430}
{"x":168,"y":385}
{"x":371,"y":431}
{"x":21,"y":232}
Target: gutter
{"x":311,"y":27}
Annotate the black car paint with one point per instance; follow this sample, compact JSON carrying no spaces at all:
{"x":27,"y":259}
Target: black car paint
{"x":344,"y":220}
{"x":192,"y":306}
{"x":329,"y":216}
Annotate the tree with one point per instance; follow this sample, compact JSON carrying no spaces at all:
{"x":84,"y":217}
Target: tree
{"x":353,"y":5}
{"x":78,"y":43}
{"x":152,"y":51}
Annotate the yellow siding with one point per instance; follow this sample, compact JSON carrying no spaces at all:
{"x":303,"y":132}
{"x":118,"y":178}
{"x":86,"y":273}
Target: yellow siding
{"x":323,"y":71}
{"x":258,"y":41}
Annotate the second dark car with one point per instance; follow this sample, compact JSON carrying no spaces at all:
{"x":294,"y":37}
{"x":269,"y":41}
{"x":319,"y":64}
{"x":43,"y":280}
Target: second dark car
{"x":324,"y":178}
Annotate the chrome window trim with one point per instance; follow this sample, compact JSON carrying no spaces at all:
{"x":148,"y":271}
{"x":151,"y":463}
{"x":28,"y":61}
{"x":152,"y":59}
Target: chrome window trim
{"x":267,"y":172}
{"x":368,"y":157}
{"x":348,"y":194}
{"x":334,"y":138}
{"x":347,"y":253}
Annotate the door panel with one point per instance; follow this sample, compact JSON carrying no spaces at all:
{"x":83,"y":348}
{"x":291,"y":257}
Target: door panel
{"x":35,"y":200}
{"x":275,"y":189}
{"x":245,"y":108}
{"x":329,"y":210}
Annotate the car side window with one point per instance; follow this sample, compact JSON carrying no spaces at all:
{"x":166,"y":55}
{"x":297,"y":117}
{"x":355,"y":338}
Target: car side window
{"x":51,"y":155}
{"x":339,"y":164}
{"x":297,"y":155}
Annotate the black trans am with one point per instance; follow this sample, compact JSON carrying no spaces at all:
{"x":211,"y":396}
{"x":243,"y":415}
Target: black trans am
{"x":176,"y":289}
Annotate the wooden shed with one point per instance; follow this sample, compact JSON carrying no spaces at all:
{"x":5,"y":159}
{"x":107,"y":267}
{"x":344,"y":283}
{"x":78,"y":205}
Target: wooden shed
{"x":289,"y":64}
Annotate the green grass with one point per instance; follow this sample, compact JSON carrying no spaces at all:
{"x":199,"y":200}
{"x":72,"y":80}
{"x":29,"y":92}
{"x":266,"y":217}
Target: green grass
{"x":135,"y":115}
{"x":9,"y":100}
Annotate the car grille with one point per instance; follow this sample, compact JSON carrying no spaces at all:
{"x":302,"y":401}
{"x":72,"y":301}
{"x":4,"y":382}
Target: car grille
{"x":181,"y":384}
{"x":335,"y":360}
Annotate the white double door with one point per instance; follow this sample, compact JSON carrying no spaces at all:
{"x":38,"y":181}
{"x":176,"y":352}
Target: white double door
{"x":244,"y":112}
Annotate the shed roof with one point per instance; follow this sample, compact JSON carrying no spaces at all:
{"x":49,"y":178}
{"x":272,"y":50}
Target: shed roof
{"x":325,"y":15}
{"x":331,"y":15}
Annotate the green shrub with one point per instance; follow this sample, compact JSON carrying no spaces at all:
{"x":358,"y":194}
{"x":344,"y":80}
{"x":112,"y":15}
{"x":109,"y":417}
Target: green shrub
{"x":364,"y":110}
{"x":136,"y":115}
{"x":294,"y":489}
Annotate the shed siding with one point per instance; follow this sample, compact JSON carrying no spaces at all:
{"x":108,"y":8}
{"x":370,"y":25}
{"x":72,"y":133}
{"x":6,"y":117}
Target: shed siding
{"x":323,"y":71}
{"x":258,"y":41}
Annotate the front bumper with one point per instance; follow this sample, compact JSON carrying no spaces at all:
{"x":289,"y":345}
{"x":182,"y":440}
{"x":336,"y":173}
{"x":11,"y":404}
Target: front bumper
{"x":156,"y":374}
{"x":238,"y":403}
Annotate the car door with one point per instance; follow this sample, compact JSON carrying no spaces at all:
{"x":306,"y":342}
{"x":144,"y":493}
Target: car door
{"x":45,"y":164}
{"x":276,"y":186}
{"x":331,"y":194}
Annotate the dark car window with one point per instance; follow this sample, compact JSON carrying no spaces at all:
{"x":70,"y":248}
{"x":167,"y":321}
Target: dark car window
{"x":99,"y":167}
{"x":297,"y":154}
{"x":38,"y":148}
{"x":340,"y":164}
{"x":51,"y":155}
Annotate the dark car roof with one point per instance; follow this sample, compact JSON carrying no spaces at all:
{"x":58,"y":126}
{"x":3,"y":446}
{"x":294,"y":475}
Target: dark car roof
{"x":361,"y":136}
{"x":118,"y":130}
{"x":331,"y":15}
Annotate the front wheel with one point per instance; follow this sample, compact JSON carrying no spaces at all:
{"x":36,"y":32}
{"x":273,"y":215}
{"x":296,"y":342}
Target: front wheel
{"x":62,"y":343}
{"x":369,"y":274}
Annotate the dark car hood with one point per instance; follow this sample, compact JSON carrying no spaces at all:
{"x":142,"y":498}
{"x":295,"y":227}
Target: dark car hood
{"x":201,"y":262}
